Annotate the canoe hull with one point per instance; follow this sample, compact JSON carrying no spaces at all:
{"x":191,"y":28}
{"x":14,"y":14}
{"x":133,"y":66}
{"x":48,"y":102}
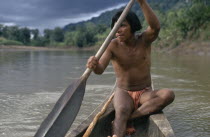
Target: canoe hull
{"x":155,"y":125}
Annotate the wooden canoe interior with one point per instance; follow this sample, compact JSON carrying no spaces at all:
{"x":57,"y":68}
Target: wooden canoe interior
{"x":104,"y":127}
{"x":155,"y":125}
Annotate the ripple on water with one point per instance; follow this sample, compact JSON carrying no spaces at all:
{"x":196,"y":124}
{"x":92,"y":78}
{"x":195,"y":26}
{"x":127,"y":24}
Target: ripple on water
{"x":189,"y":114}
{"x":23,"y":113}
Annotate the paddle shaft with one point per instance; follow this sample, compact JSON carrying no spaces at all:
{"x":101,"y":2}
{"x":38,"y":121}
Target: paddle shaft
{"x":111,"y":35}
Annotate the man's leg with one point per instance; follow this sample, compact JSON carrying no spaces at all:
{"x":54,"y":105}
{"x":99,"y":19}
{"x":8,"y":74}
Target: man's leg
{"x":153,"y":101}
{"x":123,"y":105}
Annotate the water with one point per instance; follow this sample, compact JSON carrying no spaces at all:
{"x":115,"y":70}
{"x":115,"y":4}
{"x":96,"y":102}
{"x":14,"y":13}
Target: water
{"x":32,"y":81}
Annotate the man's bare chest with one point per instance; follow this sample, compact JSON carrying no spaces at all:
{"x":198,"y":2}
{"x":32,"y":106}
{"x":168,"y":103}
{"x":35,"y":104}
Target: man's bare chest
{"x":129,"y":58}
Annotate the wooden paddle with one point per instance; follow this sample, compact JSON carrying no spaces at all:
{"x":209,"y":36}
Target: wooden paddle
{"x":59,"y":120}
{"x":99,"y":114}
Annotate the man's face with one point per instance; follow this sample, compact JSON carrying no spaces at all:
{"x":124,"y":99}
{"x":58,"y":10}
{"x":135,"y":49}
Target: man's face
{"x":124,"y":32}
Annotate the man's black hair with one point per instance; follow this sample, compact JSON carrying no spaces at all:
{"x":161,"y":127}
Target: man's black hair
{"x":131,"y":18}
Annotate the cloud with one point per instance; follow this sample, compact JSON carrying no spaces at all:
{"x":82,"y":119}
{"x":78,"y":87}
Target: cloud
{"x":86,"y":16}
{"x":51,"y":13}
{"x":9,"y":24}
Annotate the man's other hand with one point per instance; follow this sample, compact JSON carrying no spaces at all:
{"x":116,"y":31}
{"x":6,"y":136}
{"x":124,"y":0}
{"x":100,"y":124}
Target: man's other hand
{"x":92,"y":63}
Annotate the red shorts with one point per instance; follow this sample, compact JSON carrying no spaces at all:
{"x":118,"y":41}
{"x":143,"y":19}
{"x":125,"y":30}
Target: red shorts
{"x":136,"y":95}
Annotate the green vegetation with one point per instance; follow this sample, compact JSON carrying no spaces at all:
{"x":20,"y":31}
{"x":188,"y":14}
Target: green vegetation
{"x":4,"y":41}
{"x":180,"y":21}
{"x":188,"y":23}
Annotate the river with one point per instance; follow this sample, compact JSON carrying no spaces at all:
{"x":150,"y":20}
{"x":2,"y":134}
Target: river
{"x":32,"y":81}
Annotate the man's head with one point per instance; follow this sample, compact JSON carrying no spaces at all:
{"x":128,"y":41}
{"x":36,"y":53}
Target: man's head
{"x":131,"y":18}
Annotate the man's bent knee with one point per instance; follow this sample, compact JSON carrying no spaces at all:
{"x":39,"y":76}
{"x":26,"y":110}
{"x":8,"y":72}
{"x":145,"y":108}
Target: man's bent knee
{"x":167,"y":95}
{"x":170,"y":96}
{"x":123,"y":112}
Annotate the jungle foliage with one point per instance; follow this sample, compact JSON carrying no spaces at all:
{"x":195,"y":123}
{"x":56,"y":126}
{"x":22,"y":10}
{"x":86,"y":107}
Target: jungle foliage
{"x":180,"y":20}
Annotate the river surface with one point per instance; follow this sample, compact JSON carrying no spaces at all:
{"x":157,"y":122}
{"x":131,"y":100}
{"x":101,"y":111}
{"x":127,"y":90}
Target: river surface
{"x":32,"y":81}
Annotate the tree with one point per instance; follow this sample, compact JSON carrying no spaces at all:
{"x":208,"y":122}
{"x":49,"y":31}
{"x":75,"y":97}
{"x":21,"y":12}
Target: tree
{"x":35,"y":33}
{"x":70,"y":39}
{"x":24,"y":35}
{"x":80,"y":38}
{"x":58,"y":35}
{"x":5,"y":32}
{"x":47,"y":35}
{"x":13,"y":32}
{"x":1,"y":29}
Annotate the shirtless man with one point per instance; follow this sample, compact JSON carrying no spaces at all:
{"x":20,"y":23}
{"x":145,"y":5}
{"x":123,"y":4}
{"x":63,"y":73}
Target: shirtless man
{"x":130,"y":55}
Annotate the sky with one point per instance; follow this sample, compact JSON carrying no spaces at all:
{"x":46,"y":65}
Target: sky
{"x":44,"y":14}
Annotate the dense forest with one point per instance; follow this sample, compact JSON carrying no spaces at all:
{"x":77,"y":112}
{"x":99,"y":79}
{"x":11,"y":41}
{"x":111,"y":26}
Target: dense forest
{"x":180,"y":20}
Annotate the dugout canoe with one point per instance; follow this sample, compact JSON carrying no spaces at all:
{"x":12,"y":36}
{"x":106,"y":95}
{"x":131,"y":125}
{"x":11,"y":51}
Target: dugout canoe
{"x":155,"y":125}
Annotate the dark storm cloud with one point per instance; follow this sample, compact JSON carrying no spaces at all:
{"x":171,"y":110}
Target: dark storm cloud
{"x":50,"y":13}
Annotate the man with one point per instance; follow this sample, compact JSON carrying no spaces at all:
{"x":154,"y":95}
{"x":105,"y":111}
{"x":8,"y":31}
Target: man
{"x":130,"y":55}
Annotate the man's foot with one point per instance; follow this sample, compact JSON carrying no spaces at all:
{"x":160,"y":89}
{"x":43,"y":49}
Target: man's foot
{"x":130,"y":128}
{"x":130,"y":131}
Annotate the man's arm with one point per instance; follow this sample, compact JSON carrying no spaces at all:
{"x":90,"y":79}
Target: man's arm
{"x":153,"y":29}
{"x":99,"y":66}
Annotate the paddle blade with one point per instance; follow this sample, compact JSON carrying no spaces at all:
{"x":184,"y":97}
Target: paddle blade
{"x":64,"y":112}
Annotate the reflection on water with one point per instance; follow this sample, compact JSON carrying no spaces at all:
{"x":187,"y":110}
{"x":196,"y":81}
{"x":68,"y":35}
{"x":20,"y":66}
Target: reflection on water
{"x":21,"y":113}
{"x":32,"y":81}
{"x":189,"y":77}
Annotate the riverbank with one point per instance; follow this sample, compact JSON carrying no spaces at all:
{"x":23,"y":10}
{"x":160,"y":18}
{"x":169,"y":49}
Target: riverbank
{"x":34,"y":48}
{"x":192,"y":48}
{"x":185,"y":48}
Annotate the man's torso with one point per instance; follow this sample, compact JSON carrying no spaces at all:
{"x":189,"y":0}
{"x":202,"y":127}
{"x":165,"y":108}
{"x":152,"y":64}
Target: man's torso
{"x":132,"y":65}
